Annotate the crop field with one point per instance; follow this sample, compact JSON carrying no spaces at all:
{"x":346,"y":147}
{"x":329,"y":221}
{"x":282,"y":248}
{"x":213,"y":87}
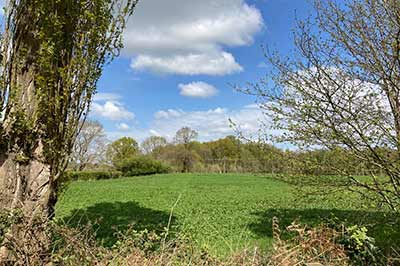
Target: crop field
{"x":220,"y":213}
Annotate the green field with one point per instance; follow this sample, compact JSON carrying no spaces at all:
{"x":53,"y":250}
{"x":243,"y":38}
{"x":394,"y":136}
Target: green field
{"x":222,"y":213}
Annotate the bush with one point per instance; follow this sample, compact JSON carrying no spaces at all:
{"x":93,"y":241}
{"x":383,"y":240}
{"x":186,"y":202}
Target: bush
{"x":328,"y":244}
{"x":360,"y":247}
{"x":142,"y":165}
{"x":91,"y":175}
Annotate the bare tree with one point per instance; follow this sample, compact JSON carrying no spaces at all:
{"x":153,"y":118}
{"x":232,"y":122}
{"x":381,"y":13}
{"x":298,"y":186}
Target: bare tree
{"x":185,"y":135}
{"x":89,"y":147}
{"x":342,"y":87}
{"x":153,"y":143}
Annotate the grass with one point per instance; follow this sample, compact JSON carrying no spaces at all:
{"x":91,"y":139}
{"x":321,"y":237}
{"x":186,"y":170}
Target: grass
{"x":221,"y":213}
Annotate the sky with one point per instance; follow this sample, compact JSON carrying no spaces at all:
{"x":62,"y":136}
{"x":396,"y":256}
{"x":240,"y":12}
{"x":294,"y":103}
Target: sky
{"x":181,"y":61}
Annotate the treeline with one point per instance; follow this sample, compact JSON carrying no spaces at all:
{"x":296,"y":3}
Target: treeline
{"x":230,"y":154}
{"x":227,"y":155}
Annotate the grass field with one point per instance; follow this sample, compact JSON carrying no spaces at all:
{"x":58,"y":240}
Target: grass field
{"x":221,"y":213}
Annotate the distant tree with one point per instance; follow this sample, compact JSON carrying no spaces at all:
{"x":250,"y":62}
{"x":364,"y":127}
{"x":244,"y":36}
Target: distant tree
{"x":226,"y":152}
{"x":152,"y":143}
{"x":121,"y":149}
{"x":341,"y":88}
{"x":89,"y":146}
{"x":184,"y":137}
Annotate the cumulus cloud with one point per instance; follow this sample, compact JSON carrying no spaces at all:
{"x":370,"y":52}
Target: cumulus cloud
{"x":192,"y":64}
{"x":189,"y":37}
{"x":123,"y":127}
{"x":197,"y":90}
{"x":211,"y":124}
{"x":111,"y":110}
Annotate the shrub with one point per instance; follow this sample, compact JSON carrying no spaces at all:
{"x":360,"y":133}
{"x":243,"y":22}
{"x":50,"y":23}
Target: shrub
{"x":142,"y":165}
{"x":69,"y":176}
{"x":328,"y":244}
{"x":91,"y":175}
{"x":360,"y":247}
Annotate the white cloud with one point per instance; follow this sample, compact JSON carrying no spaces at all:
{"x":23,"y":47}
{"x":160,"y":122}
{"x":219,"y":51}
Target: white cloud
{"x":154,"y":132}
{"x":211,"y":124}
{"x":197,"y":90}
{"x":188,"y":37}
{"x":192,"y":64}
{"x":123,"y":127}
{"x":104,"y":96}
{"x":167,"y":114}
{"x":111,"y":110}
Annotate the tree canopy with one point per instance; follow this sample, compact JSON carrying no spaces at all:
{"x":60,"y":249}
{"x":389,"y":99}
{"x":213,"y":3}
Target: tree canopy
{"x":341,"y":87}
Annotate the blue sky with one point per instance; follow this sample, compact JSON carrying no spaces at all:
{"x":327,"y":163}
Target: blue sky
{"x":180,"y":59}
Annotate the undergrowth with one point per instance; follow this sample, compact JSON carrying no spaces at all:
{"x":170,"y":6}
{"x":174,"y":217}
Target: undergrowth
{"x":34,"y":241}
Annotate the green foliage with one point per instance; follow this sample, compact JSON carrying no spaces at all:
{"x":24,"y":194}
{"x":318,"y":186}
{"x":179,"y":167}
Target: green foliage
{"x":360,"y":247}
{"x":8,"y":218}
{"x":321,"y":95}
{"x":144,"y":240}
{"x":121,"y":149}
{"x":230,"y":154}
{"x":222,"y":213}
{"x":91,"y":175}
{"x":5,"y":223}
{"x":141,"y":165}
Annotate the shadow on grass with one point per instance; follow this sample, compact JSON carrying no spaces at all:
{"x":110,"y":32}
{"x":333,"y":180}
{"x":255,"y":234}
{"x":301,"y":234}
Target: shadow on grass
{"x":107,"y":218}
{"x":383,"y":226}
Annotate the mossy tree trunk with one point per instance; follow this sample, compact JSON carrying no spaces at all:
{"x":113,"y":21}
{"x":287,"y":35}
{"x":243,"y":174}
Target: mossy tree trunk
{"x":52,"y":55}
{"x":25,"y":175}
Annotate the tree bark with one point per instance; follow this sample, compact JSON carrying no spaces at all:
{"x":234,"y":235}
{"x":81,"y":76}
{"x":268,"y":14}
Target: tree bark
{"x":26,"y":180}
{"x":27,"y":185}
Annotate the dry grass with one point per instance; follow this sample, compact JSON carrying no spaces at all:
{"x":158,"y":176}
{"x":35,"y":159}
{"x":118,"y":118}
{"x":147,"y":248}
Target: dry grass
{"x":315,"y":246}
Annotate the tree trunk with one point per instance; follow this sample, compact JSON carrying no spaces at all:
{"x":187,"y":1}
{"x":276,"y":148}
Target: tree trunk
{"x":26,"y":180}
{"x":27,"y":185}
{"x":25,"y":176}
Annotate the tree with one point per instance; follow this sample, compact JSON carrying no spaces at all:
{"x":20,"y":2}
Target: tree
{"x":184,"y":137}
{"x":342,"y":89}
{"x":53,"y":53}
{"x":121,"y":149}
{"x":152,"y":143}
{"x":226,"y":152}
{"x":89,"y":147}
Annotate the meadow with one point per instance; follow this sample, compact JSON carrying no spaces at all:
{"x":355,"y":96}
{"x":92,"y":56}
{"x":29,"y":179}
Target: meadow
{"x":221,"y":213}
